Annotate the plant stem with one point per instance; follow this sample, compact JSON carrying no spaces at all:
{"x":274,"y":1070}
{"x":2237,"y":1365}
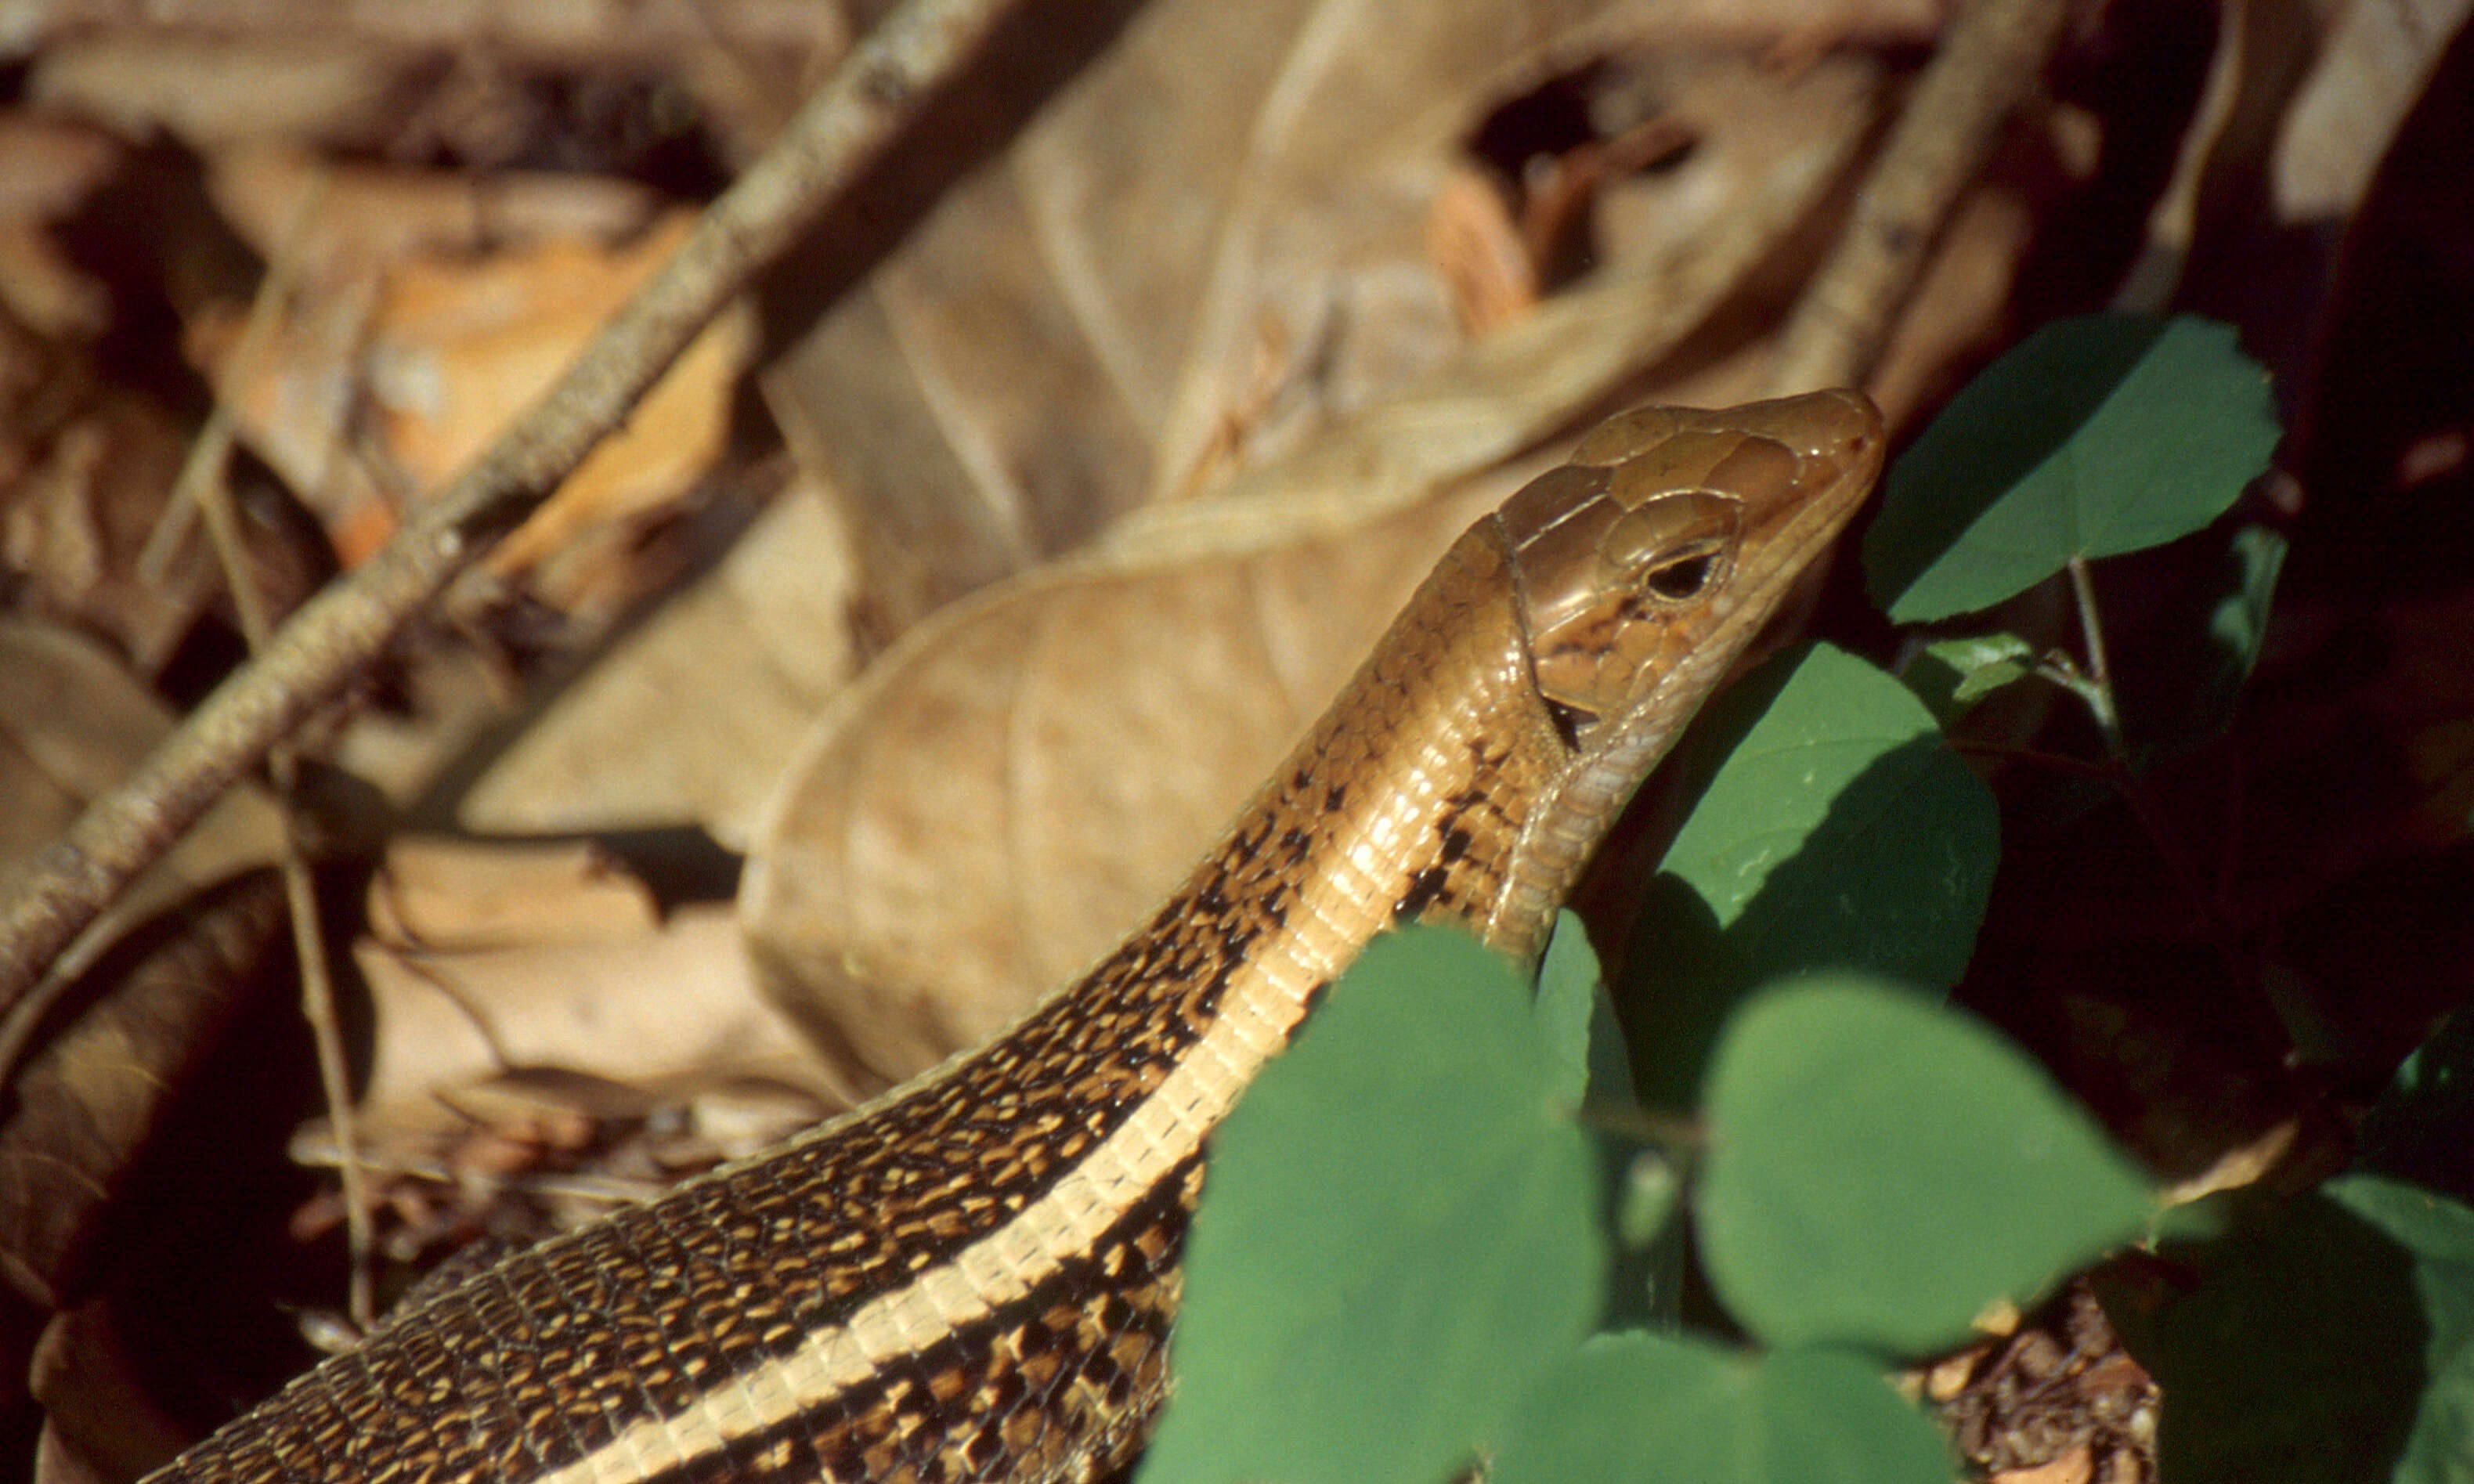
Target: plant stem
{"x":2100,"y":671}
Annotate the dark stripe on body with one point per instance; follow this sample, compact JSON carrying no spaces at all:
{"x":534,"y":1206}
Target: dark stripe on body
{"x":1001,"y":1386}
{"x":539,"y":1361}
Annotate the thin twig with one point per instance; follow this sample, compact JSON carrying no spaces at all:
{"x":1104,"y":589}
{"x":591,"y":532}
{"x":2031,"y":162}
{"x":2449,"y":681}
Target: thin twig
{"x":327,"y":1034}
{"x":206,"y":489}
{"x":1989,"y":60}
{"x":331,"y":639}
{"x":2172,"y":220}
{"x":212,"y":447}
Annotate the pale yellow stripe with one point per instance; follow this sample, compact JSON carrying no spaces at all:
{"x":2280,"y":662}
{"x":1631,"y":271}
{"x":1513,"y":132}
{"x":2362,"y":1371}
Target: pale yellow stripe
{"x":1254,"y":1016}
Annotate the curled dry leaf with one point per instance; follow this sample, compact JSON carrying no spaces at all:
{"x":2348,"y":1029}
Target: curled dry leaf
{"x":450,"y":347}
{"x":994,"y":805}
{"x":502,"y":961}
{"x":764,"y":635}
{"x":72,"y":724}
{"x":693,"y":714}
{"x":365,"y":217}
{"x":459,"y":349}
{"x":74,"y":529}
{"x":88,"y":1099}
{"x":1113,"y":315}
{"x":1022,"y":775}
{"x":210,"y":91}
{"x":448,"y":896}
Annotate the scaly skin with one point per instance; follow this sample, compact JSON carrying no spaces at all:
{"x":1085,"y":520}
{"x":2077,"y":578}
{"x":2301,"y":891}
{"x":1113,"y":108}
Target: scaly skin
{"x":974,"y":1278}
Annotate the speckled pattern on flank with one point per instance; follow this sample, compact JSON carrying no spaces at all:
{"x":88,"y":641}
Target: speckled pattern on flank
{"x":1421,"y":794}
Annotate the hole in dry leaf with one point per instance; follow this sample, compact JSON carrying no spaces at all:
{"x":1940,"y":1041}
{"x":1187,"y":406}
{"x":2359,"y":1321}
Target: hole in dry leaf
{"x":1555,"y":146}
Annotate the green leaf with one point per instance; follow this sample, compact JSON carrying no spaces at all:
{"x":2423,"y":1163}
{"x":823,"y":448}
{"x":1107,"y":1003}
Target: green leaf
{"x":2417,"y":1132}
{"x":2329,"y":1344}
{"x":1952,"y":675}
{"x":2440,"y":1234}
{"x":1839,"y":833}
{"x":1568,"y":987}
{"x":1881,"y":1169}
{"x":2094,"y":437}
{"x":1399,"y":1234}
{"x":1640,"y":1408}
{"x":2179,"y":689}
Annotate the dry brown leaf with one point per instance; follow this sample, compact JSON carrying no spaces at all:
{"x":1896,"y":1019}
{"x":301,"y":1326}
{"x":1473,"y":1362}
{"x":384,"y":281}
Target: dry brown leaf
{"x":997,"y":806}
{"x":1806,"y":23}
{"x":364,"y":218}
{"x":47,"y":167}
{"x":73,"y":529}
{"x":672,"y":1003}
{"x":695,"y":715}
{"x":88,"y":1098}
{"x":436,"y":895}
{"x":472,"y":81}
{"x":458,"y":350}
{"x":2244,"y":1164}
{"x":450,"y":349}
{"x":100,"y":1422}
{"x":575,"y":33}
{"x":43,"y":289}
{"x":1006,"y":791}
{"x":1087,"y":324}
{"x":212,"y":91}
{"x":2374,"y":63}
{"x":1477,"y":248}
{"x":2077,"y":1466}
{"x":73,"y":722}
{"x":1956,"y":316}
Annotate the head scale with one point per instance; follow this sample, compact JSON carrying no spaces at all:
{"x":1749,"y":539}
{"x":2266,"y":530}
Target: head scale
{"x":1671,"y":532}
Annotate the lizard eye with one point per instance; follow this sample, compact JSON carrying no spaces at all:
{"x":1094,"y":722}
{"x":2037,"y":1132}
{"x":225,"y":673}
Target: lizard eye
{"x":1677,"y":581}
{"x":1673,"y":547}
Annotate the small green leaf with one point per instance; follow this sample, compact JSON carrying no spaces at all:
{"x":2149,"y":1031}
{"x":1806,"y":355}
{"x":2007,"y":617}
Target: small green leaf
{"x":1641,"y":1409}
{"x":1399,"y":1234}
{"x":2329,"y":1344}
{"x":1645,"y":1198}
{"x":2417,"y":1132}
{"x":2179,"y":689}
{"x":1840,"y":833}
{"x":2094,"y":437}
{"x":1952,"y":675}
{"x":1881,"y":1169}
{"x":2238,"y":624}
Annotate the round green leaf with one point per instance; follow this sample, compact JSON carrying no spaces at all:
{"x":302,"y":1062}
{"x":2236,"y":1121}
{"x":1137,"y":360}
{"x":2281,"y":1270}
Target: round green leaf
{"x":1881,"y":1169}
{"x":2094,"y":437}
{"x":1840,"y":833}
{"x":1643,"y":1409}
{"x":1570,"y":987}
{"x":2333,"y":1340}
{"x":1842,"y":814}
{"x":1399,"y":1232}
